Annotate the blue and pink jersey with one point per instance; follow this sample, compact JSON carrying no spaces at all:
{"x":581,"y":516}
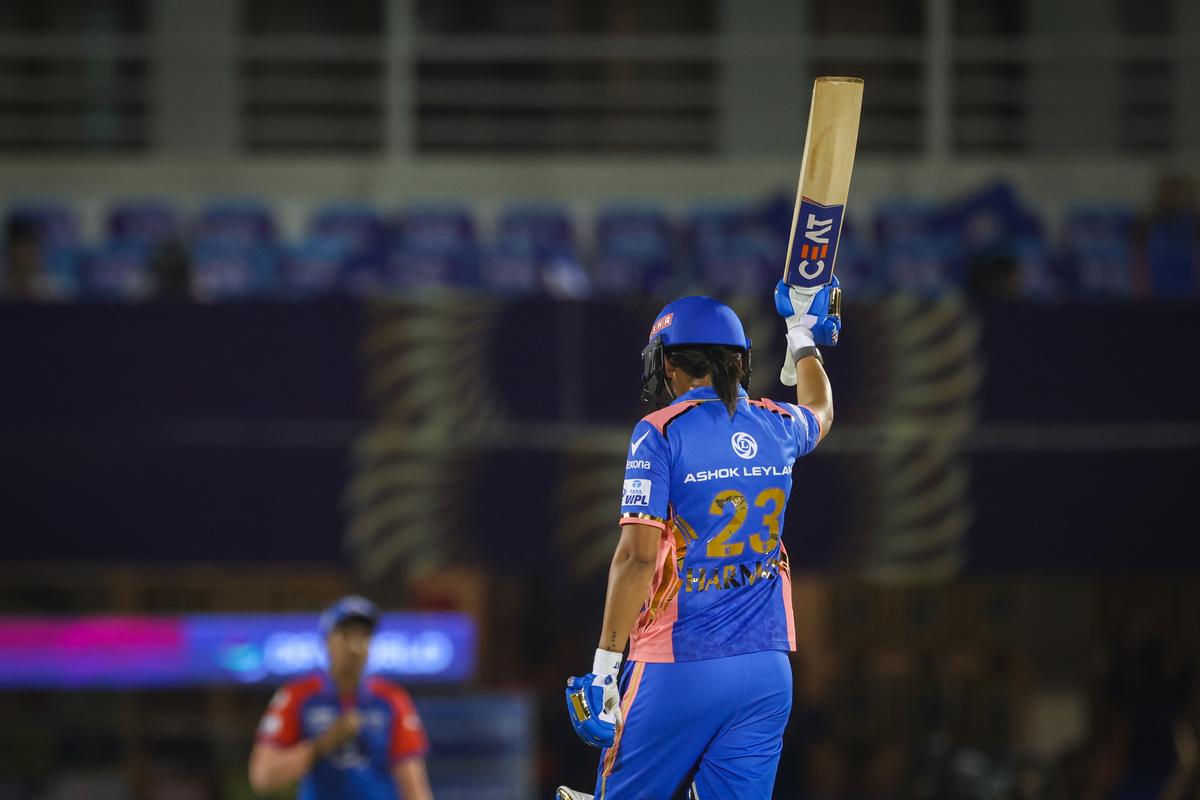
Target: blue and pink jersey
{"x":718,"y":488}
{"x":391,"y":732}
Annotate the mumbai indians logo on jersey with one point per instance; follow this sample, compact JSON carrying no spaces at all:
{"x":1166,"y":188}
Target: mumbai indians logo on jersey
{"x":814,"y":244}
{"x":744,"y":445}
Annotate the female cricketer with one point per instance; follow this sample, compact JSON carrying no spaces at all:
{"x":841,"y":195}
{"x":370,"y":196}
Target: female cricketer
{"x":700,"y":584}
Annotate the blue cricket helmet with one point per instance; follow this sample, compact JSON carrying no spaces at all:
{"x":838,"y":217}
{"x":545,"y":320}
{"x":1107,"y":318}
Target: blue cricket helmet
{"x":350,"y":607}
{"x":695,"y":320}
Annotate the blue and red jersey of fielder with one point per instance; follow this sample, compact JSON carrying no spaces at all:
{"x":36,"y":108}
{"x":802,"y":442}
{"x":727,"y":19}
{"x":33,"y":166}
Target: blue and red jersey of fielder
{"x":361,"y":768}
{"x":707,"y":690}
{"x":718,"y":488}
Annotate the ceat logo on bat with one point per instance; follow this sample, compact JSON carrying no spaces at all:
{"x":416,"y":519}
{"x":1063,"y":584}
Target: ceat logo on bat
{"x":814,"y":244}
{"x":661,"y":323}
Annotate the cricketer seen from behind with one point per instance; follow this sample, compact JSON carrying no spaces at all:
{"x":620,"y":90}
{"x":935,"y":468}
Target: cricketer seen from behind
{"x":699,"y":585}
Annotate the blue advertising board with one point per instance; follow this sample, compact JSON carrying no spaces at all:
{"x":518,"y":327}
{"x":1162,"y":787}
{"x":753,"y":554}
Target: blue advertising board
{"x":219,"y":649}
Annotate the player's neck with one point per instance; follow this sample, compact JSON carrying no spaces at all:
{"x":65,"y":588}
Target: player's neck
{"x":693,"y":383}
{"x":346,"y":684}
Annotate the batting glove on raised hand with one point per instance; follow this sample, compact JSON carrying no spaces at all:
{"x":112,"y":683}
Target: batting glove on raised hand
{"x":594,"y":702}
{"x":813,"y":317}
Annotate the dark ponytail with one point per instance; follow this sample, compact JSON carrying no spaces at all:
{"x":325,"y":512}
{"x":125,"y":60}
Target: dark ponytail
{"x":724,"y":366}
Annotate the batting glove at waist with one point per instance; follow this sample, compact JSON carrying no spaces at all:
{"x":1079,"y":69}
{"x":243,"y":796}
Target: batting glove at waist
{"x":594,"y":701}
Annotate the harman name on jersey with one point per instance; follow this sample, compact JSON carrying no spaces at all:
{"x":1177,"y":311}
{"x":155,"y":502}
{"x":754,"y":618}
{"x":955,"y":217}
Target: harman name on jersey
{"x":718,"y":488}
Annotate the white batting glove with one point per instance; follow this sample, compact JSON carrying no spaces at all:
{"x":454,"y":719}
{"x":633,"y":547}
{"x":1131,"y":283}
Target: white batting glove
{"x":605,"y":664}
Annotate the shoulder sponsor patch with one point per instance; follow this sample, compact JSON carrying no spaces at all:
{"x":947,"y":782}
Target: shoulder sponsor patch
{"x":271,"y":724}
{"x":636,"y":493}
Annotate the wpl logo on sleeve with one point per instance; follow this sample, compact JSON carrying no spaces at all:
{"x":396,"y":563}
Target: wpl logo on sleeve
{"x":814,"y":244}
{"x":637,"y":492}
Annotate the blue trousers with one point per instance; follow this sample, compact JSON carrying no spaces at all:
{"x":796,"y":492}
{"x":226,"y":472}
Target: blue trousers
{"x":713,"y":727}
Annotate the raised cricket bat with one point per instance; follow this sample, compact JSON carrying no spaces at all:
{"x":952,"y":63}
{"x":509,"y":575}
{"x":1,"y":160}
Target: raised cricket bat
{"x":824,"y":181}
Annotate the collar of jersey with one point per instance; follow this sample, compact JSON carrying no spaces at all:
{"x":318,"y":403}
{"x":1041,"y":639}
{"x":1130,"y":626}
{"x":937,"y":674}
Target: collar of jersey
{"x":329,"y":686}
{"x":704,"y":393}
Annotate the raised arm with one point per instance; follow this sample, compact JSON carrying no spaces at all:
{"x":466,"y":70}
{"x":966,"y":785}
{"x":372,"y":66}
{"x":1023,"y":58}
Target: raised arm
{"x":814,"y":392}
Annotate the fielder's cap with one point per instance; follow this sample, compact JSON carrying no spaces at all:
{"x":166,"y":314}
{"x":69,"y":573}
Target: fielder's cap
{"x":350,"y":607}
{"x":699,"y":320}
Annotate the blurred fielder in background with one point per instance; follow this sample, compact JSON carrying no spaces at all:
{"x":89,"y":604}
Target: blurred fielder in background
{"x":700,"y":575}
{"x":340,"y":736}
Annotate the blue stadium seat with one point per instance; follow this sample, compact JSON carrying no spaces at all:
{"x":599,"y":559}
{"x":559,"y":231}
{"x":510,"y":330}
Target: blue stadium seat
{"x":146,"y":221}
{"x":62,"y":267}
{"x":987,"y":217}
{"x":356,"y":226}
{"x":237,"y":222}
{"x":1035,"y":267}
{"x":903,"y":219}
{"x":633,"y":250}
{"x":739,"y":266}
{"x":775,"y":213}
{"x":563,"y":275}
{"x":54,"y":222}
{"x":435,"y":227}
{"x":1085,"y":223}
{"x":711,"y":227}
{"x":119,"y":270}
{"x":633,"y":229}
{"x":509,"y":269}
{"x":1172,"y":256}
{"x":915,"y":265}
{"x":315,"y":267}
{"x":224,"y":269}
{"x":857,"y":266}
{"x":537,"y":226}
{"x":632,"y":271}
{"x":364,"y":276}
{"x":1098,"y":250}
{"x":410,"y":267}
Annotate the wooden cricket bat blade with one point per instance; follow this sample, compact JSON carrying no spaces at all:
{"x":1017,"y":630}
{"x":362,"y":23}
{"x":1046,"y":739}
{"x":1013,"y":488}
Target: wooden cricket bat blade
{"x":824,"y":184}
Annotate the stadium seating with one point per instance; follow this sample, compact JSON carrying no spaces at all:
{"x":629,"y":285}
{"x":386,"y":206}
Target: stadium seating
{"x":1171,"y":258}
{"x":985,"y":240}
{"x":146,"y":221}
{"x":1097,"y":250}
{"x":237,"y":221}
{"x":232,"y":269}
{"x":354,"y":227}
{"x":543,"y":227}
{"x":118,"y":270}
{"x":633,"y":250}
{"x":55,"y":223}
{"x":315,"y":267}
{"x":411,"y":267}
{"x":435,"y":227}
{"x":509,"y":269}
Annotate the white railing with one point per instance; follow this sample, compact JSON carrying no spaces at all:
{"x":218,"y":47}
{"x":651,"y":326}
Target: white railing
{"x":405,"y":92}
